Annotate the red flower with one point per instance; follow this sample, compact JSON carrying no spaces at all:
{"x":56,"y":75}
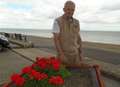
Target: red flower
{"x":33,"y":65}
{"x":34,"y":74}
{"x":42,"y":76}
{"x":37,"y":71}
{"x":27,"y":69}
{"x":55,"y":63}
{"x":17,"y":79}
{"x":42,"y":63}
{"x":56,"y":80}
{"x":38,"y":75}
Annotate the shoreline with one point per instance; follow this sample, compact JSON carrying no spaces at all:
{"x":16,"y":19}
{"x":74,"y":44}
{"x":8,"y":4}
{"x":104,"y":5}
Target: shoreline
{"x":82,"y":41}
{"x":45,"y":41}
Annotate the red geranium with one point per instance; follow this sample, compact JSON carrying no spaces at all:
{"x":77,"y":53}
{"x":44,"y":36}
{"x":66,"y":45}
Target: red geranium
{"x":34,"y":65}
{"x":56,"y":80}
{"x":38,"y":75}
{"x":17,"y":79}
{"x":55,"y":63}
{"x":42,"y":76}
{"x":42,"y":63}
{"x":27,"y":69}
{"x":44,"y":69}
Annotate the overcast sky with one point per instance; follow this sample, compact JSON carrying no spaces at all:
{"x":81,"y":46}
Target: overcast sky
{"x":40,"y":14}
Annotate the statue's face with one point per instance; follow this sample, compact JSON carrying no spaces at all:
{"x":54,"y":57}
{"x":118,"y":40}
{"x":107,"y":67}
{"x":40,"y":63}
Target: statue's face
{"x":69,"y":10}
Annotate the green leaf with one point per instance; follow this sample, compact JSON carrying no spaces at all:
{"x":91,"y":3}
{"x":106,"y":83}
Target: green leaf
{"x":37,"y":68}
{"x":30,"y":83}
{"x":42,"y":83}
{"x":64,"y":72}
{"x":26,"y":76}
{"x":50,"y":72}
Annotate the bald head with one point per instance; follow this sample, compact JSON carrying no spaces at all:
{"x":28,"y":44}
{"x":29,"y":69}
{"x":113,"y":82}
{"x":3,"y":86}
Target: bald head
{"x":69,"y":8}
{"x":69,"y":3}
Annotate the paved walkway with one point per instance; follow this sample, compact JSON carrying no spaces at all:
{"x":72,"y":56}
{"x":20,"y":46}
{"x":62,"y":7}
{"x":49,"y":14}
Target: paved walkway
{"x":32,"y":53}
{"x":10,"y":63}
{"x":102,"y":46}
{"x":97,"y":54}
{"x":102,"y":55}
{"x":107,"y":68}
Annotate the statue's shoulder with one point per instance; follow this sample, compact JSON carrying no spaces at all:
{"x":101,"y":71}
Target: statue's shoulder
{"x":76,"y":21}
{"x":58,"y":18}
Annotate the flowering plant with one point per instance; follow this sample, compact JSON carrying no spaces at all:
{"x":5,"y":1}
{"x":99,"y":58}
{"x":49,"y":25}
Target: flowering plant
{"x":45,"y":72}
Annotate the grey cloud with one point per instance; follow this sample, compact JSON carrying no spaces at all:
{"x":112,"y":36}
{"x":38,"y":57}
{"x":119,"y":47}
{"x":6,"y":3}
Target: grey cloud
{"x":99,"y":21}
{"x":114,"y":7}
{"x":118,"y":20}
{"x":93,"y":21}
{"x":54,"y":14}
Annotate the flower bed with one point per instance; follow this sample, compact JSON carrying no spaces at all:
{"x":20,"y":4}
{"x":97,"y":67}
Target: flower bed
{"x":45,"y":72}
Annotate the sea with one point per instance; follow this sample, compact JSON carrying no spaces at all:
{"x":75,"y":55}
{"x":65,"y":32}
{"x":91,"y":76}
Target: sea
{"x":108,"y":37}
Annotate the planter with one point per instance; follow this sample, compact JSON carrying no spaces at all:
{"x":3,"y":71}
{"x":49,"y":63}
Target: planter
{"x":84,"y":77}
{"x":49,"y":72}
